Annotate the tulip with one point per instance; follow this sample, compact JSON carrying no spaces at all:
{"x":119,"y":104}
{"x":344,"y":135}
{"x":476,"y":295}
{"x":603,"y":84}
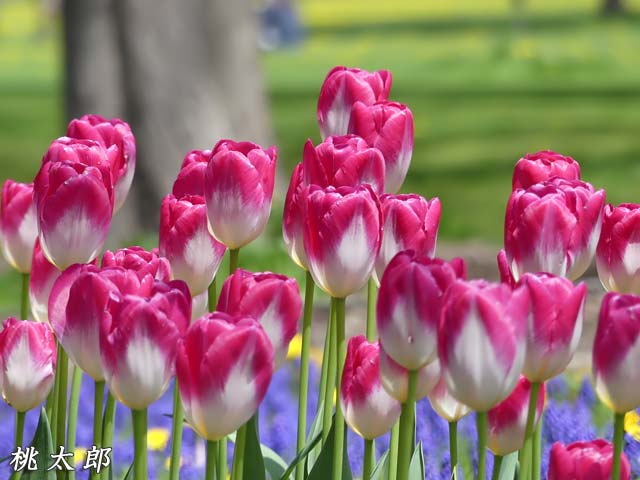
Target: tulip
{"x":343,"y":161}
{"x":341,"y":89}
{"x":506,"y":275}
{"x":590,"y":460}
{"x":553,"y":227}
{"x":342,"y":236}
{"x":542,"y":166}
{"x":199,"y":305}
{"x":410,"y":304}
{"x":186,"y":242}
{"x":368,"y":409}
{"x":618,"y":252}
{"x":238,"y":191}
{"x":27,"y":363}
{"x":395,"y":378}
{"x":508,"y":419}
{"x":190,"y":179}
{"x":110,"y":133}
{"x":18,"y":225}
{"x":147,"y":265}
{"x":293,"y":217}
{"x":445,"y":404}
{"x":387,"y":126}
{"x":410,"y":222}
{"x":272,"y":299}
{"x":481,"y":341}
{"x":43,"y":276}
{"x":224,"y":366}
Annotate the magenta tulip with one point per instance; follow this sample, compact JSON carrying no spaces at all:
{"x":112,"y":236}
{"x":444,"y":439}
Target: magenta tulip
{"x":445,"y":404}
{"x":43,"y":276}
{"x":395,"y":378}
{"x":542,"y":166}
{"x":18,"y":224}
{"x":590,"y":460}
{"x":148,"y":265}
{"x":190,"y":179}
{"x":293,"y":217}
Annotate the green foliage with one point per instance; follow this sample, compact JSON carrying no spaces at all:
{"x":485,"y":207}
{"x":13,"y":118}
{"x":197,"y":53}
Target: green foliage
{"x":323,"y":467}
{"x":416,"y":467}
{"x":43,"y":443}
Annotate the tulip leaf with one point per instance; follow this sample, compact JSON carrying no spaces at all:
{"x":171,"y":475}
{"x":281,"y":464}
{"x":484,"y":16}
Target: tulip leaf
{"x":381,"y":472}
{"x":254,"y":468}
{"x":274,"y":465}
{"x":416,"y":467}
{"x":508,"y":467}
{"x":43,"y":443}
{"x":129,"y":474}
{"x":324,"y":465}
{"x":301,"y":456}
{"x":316,"y":429}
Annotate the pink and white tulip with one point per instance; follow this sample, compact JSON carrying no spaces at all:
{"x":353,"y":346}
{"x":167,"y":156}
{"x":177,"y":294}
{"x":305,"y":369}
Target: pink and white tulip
{"x":138,"y":342}
{"x":482,"y":341}
{"x":507,"y":421}
{"x":445,"y":405}
{"x":238,"y":191}
{"x":368,"y":409}
{"x":18,"y":224}
{"x":387,"y":126}
{"x":147,"y":265}
{"x":343,"y":161}
{"x":410,"y":222}
{"x":590,"y":460}
{"x":555,"y":325}
{"x":293,"y":217}
{"x":410,"y":304}
{"x":618,"y":252}
{"x":341,"y":89}
{"x":553,"y":227}
{"x":616,"y":352}
{"x":504,"y":269}
{"x":43,"y":276}
{"x":342,"y":235}
{"x":28,"y":355}
{"x":395,"y":378}
{"x":110,"y":133}
{"x":272,"y":299}
{"x":542,"y":166}
{"x":190,"y":179}
{"x":224,"y":367}
{"x":186,"y":242}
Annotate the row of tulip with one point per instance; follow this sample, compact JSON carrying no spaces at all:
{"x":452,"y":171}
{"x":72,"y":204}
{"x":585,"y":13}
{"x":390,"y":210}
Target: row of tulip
{"x":140,"y":317}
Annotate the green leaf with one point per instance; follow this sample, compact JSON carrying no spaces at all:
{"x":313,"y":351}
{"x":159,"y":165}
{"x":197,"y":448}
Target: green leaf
{"x":316,"y":428}
{"x":253,"y":461}
{"x":274,"y":465}
{"x":508,"y":467}
{"x":129,"y":474}
{"x":43,"y":443}
{"x":301,"y":456}
{"x":381,"y":472}
{"x":323,"y":467}
{"x":416,"y":467}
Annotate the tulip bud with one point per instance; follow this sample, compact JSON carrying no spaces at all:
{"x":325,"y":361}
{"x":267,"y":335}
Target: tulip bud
{"x":553,"y":227}
{"x":18,"y":225}
{"x":28,"y":355}
{"x":591,"y":460}
{"x":387,"y":126}
{"x":445,"y":404}
{"x":293,"y":218}
{"x":110,"y":133}
{"x":506,"y":275}
{"x":238,"y":191}
{"x":618,"y":253}
{"x":147,"y":265}
{"x":410,"y":222}
{"x":186,"y":242}
{"x":341,"y":89}
{"x":508,"y":420}
{"x":343,"y":161}
{"x":342,"y":234}
{"x":410,"y":304}
{"x":555,"y":325}
{"x":43,"y":276}
{"x":395,"y":378}
{"x":542,"y":166}
{"x":224,"y":366}
{"x":481,"y":341}
{"x":272,"y":299}
{"x":368,"y":409}
{"x":138,"y":342}
{"x":616,"y":352}
{"x":190,"y":179}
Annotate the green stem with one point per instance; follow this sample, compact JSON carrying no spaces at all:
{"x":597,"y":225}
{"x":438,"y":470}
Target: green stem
{"x":481,"y":422}
{"x":108,"y":423}
{"x":371,"y":310}
{"x":497,"y":465}
{"x":238,"y":453}
{"x":234,"y":254}
{"x":303,"y":391}
{"x":212,"y":453}
{"x":221,"y":464}
{"x":19,"y":428}
{"x":73,"y":413}
{"x":537,"y":439}
{"x":618,"y":440}
{"x":212,"y":295}
{"x":24,"y":304}
{"x":338,"y":449}
{"x":62,"y":398}
{"x":176,"y":435}
{"x":525,"y":452}
{"x":453,"y":447}
{"x":407,"y":439}
{"x":331,"y":374}
{"x":393,"y":451}
{"x":52,"y":401}
{"x":326,"y":355}
{"x":140,"y":444}
{"x":369,"y":459}
{"x":98,"y":399}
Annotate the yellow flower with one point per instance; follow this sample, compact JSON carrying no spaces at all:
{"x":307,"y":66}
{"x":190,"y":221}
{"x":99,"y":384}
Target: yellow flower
{"x":295,"y":350}
{"x":157,"y":438}
{"x":632,"y":424}
{"x":79,"y":454}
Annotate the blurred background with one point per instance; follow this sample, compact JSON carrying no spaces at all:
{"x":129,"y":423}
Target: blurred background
{"x":487,"y":80}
